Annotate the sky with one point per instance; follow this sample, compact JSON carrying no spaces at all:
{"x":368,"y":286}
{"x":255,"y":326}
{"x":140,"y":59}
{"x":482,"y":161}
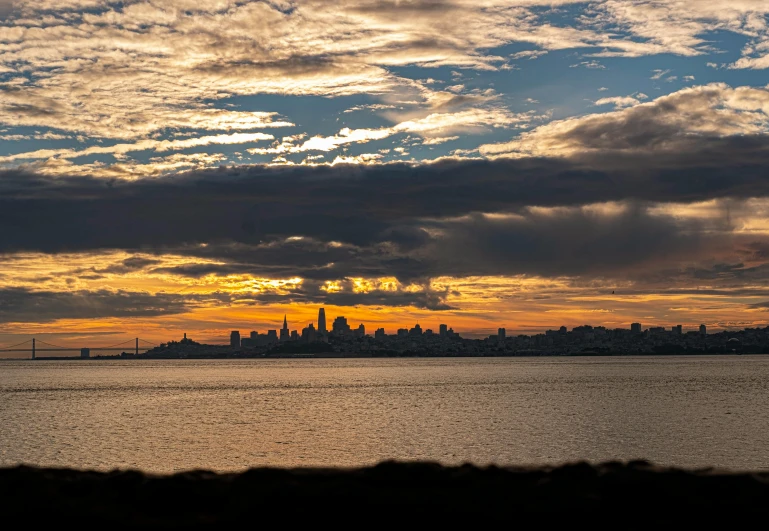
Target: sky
{"x":199,"y":166}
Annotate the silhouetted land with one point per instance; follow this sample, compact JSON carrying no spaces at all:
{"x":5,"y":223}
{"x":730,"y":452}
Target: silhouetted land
{"x":616,"y":495}
{"x":580,"y":341}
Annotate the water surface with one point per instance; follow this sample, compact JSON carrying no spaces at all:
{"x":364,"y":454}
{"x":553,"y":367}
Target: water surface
{"x":232,"y":414}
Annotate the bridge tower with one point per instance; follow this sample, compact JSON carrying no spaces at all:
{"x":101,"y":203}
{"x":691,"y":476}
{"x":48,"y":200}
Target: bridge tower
{"x":137,"y":346}
{"x":33,"y":348}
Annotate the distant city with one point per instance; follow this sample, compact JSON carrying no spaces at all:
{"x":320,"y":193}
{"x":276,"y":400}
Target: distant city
{"x":342,"y":340}
{"x":340,"y":329}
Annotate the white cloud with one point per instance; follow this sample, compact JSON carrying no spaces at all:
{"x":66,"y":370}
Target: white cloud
{"x":619,"y":101}
{"x":755,"y":57}
{"x":439,"y":140}
{"x":129,"y":70}
{"x":594,"y":65}
{"x":345,"y":136}
{"x":143,"y":145}
{"x":680,"y":27}
{"x":529,"y":54}
{"x":363,"y":158}
{"x":435,"y":128}
{"x":665,"y":124}
{"x":128,"y":169}
{"x":370,"y":107}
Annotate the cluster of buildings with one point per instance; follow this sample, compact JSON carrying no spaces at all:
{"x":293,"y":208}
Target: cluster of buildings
{"x":636,"y":340}
{"x":636,"y":328}
{"x":341,"y":337}
{"x":342,"y":340}
{"x":340,"y":330}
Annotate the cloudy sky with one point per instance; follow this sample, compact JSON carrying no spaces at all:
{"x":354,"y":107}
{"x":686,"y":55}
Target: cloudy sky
{"x":171,"y":166}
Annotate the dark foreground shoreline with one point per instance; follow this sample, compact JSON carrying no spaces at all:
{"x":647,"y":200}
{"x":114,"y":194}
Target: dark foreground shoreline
{"x":632,"y":495}
{"x":352,"y":355}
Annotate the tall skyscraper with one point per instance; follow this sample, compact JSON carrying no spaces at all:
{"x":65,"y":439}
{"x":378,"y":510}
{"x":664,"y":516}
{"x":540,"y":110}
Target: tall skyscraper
{"x":340,"y":325}
{"x":285,"y":335}
{"x":443,"y":330}
{"x":416,"y":331}
{"x":309,"y":334}
{"x":635,"y":328}
{"x":703,"y":330}
{"x":501,"y":333}
{"x":235,"y":339}
{"x":322,"y":321}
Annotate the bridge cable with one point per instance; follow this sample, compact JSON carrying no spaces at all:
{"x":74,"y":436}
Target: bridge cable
{"x":41,"y":342}
{"x":18,"y":345}
{"x":117,"y":345}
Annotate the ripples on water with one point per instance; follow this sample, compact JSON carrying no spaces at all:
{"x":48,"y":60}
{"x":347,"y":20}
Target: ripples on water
{"x":232,"y":414}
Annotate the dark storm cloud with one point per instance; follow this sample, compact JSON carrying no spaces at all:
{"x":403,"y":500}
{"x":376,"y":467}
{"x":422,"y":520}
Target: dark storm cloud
{"x":23,"y":305}
{"x":414,"y":222}
{"x":737,"y":277}
{"x":18,"y":305}
{"x":574,"y":242}
{"x":129,"y":265}
{"x":311,"y":292}
{"x":345,"y":203}
{"x":306,"y":258}
{"x":569,"y":242}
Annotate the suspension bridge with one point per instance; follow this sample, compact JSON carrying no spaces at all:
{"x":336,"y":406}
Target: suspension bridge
{"x":35,"y":346}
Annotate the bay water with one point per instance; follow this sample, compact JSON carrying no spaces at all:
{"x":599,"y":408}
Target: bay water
{"x":164,"y":416}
